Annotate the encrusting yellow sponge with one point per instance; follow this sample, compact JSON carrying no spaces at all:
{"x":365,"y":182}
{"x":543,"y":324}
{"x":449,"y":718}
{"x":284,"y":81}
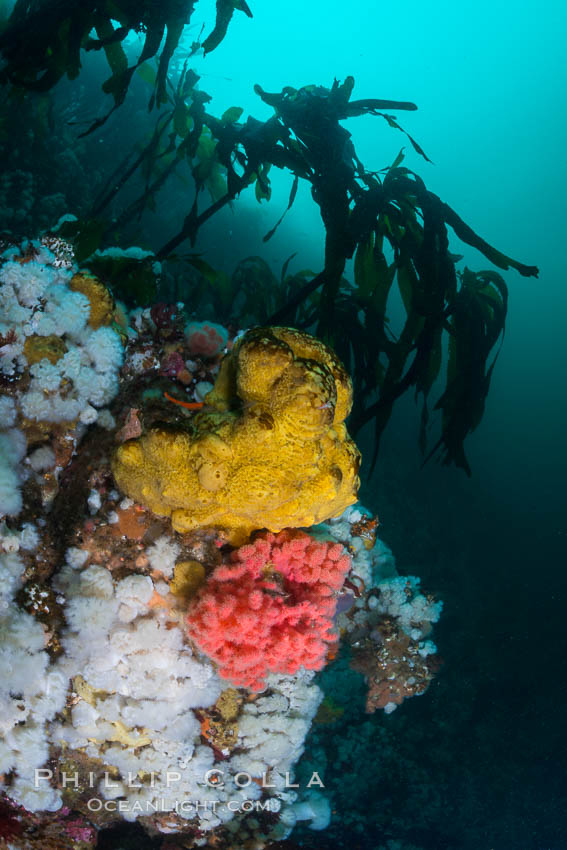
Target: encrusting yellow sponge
{"x":270,"y":449}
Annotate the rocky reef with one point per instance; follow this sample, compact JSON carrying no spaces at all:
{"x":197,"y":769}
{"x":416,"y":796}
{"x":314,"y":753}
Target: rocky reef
{"x":180,"y":553}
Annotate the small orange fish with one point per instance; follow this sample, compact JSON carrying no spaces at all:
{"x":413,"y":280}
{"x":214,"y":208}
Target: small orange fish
{"x":190,"y":405}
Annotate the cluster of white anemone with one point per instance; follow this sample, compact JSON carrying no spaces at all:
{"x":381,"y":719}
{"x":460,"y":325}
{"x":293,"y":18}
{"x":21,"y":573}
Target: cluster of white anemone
{"x":396,"y":596}
{"x":136,"y":688}
{"x":36,"y":300}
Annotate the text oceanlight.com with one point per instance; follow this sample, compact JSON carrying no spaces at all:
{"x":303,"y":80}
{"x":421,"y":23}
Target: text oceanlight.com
{"x":211,"y":779}
{"x":181,"y":807}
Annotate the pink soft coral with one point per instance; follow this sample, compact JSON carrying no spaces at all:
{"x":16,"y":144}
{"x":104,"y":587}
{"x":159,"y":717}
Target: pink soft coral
{"x":205,"y":338}
{"x":271,"y":609}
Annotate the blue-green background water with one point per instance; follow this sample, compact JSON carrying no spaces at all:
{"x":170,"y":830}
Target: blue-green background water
{"x":479,"y":762}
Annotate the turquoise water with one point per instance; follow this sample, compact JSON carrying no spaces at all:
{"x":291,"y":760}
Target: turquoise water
{"x":483,"y":756}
